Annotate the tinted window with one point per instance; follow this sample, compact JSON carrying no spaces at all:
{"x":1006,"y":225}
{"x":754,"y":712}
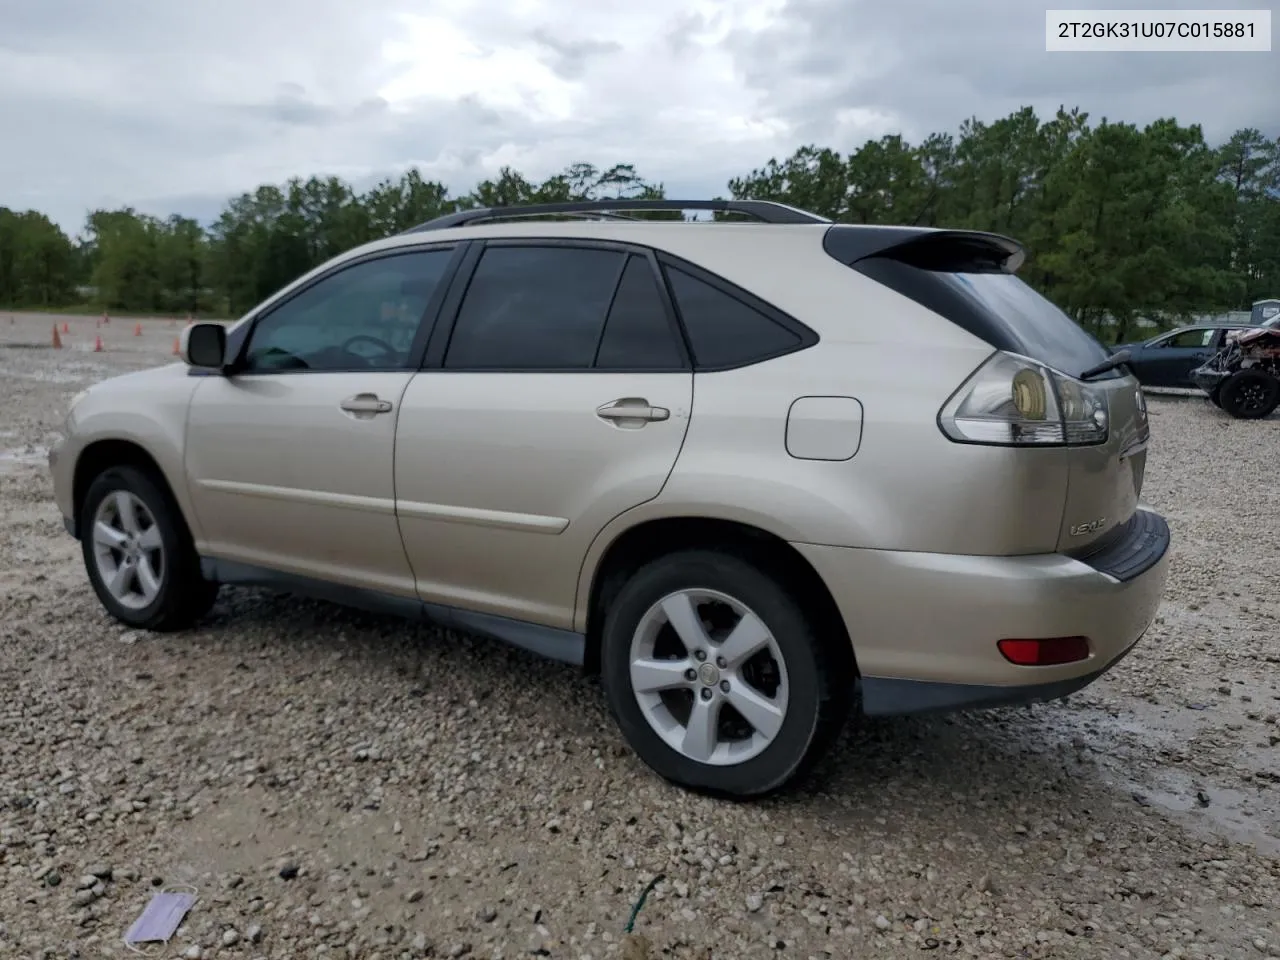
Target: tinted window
{"x":723,"y":330}
{"x":638,"y":335}
{"x":362,"y":317}
{"x":1037,"y":328}
{"x":1189,"y":339}
{"x":535,"y":308}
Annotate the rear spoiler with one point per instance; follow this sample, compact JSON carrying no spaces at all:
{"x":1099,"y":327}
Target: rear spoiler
{"x":947,"y":251}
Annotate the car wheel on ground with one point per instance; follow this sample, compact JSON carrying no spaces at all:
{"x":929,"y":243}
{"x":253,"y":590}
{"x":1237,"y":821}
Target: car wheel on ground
{"x":718,"y":676}
{"x":138,"y":553}
{"x":1249,"y":394}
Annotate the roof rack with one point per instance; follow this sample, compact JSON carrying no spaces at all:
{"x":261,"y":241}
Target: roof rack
{"x":765,"y":211}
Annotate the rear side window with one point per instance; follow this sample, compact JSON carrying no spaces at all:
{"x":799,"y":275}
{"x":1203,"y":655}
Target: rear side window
{"x":638,"y":335}
{"x":724,"y":331}
{"x":535,"y":308}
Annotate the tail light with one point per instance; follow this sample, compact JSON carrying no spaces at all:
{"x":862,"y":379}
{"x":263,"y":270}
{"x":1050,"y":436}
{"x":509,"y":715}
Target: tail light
{"x":1013,"y":401}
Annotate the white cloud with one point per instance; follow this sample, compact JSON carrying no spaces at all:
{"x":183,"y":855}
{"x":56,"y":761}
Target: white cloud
{"x":175,"y":106}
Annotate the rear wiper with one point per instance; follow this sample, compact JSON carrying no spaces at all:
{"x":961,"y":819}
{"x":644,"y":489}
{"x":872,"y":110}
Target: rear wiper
{"x":1116,"y":359}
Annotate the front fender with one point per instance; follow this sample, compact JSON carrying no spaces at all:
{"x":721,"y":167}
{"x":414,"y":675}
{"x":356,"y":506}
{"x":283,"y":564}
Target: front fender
{"x":148,"y":412}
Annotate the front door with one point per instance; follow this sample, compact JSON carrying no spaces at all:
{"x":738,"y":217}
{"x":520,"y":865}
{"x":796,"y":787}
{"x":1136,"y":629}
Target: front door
{"x":1173,"y":359}
{"x":290,"y":459}
{"x":561,"y":402}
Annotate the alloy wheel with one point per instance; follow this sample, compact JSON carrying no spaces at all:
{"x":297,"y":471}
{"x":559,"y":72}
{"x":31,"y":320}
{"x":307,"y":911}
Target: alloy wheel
{"x":709,"y":677}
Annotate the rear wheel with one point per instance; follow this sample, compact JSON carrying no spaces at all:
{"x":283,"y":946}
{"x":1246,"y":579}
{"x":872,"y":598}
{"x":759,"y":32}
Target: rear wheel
{"x":138,"y":552}
{"x":717,"y":677}
{"x":1249,"y":394}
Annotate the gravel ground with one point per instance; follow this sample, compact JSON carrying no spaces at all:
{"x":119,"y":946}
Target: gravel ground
{"x":342,"y":785}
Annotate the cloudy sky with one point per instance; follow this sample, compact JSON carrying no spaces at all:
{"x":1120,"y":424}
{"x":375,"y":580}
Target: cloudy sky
{"x":174,"y":105}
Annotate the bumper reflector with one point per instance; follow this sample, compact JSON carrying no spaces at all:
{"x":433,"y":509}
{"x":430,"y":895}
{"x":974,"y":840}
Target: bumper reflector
{"x":1044,"y":653}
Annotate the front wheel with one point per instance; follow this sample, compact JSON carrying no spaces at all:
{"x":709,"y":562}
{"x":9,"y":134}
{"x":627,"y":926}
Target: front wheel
{"x":717,"y":677}
{"x":138,"y":553}
{"x":1249,"y":394}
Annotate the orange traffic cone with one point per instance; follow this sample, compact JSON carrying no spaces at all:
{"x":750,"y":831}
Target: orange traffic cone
{"x":65,"y":328}
{"x":97,"y":345}
{"x":57,"y":340}
{"x":176,"y":348}
{"x":137,"y":329}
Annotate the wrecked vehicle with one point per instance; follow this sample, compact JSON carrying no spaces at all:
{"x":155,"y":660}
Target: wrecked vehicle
{"x":1243,"y":378}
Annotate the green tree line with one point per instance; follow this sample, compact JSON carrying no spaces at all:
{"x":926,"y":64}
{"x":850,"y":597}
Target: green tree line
{"x":1120,"y":221}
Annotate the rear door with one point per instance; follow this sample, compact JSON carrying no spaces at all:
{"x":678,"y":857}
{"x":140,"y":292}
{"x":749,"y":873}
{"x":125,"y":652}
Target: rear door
{"x":556,"y":396}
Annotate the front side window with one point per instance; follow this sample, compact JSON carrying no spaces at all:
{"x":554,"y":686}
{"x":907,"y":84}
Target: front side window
{"x":1189,"y":339}
{"x":363,"y":317}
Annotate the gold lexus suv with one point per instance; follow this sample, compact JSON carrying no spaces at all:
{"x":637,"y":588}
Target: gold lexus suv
{"x":754,"y":474}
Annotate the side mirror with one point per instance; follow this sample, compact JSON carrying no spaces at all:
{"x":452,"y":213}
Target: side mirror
{"x":203,"y":345}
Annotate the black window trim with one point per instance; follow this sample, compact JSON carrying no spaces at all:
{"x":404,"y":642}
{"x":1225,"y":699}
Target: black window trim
{"x":608,"y":310}
{"x":658,"y":260}
{"x":238,"y":342}
{"x":447,"y":321}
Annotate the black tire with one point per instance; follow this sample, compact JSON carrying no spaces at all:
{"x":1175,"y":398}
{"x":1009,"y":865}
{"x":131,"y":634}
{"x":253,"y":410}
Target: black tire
{"x":1249,"y":394}
{"x":184,"y":596}
{"x":818,"y":681}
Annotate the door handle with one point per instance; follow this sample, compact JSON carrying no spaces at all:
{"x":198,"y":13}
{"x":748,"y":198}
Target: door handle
{"x":632,"y":408}
{"x":365,"y":405}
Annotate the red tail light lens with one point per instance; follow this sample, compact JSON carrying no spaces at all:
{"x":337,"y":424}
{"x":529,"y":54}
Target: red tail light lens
{"x":1045,"y":653}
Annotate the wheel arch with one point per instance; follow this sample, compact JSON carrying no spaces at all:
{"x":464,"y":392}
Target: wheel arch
{"x":649,"y":539}
{"x":108,"y":452}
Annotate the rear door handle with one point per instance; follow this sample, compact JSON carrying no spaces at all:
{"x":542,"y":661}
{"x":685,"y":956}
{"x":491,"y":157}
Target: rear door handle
{"x":365,"y":405}
{"x":632,"y":408}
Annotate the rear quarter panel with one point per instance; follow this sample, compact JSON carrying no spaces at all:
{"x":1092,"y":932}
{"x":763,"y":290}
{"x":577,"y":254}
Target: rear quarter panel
{"x":907,"y":488}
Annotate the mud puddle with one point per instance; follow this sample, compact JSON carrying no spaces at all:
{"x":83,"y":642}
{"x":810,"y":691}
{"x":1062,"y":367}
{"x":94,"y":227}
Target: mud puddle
{"x":1216,"y":772}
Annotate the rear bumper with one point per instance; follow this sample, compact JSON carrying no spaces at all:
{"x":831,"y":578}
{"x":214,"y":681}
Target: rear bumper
{"x":925,"y":626}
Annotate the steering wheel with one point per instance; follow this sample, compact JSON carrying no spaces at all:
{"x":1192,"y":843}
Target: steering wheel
{"x":383,"y":347}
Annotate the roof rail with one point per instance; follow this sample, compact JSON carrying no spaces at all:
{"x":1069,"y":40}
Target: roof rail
{"x":766,"y":211}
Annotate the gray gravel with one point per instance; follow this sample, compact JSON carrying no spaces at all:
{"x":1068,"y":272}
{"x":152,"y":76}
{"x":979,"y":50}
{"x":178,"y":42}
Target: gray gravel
{"x":341,"y":785}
